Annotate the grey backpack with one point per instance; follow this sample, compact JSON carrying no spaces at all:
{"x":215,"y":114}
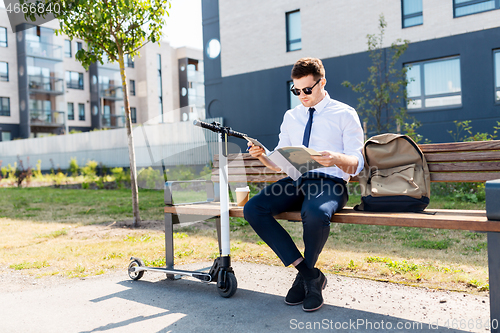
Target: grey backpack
{"x":395,"y":177}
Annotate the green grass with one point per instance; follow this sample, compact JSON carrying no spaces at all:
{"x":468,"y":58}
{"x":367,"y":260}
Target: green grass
{"x":417,"y":254}
{"x":85,"y":206}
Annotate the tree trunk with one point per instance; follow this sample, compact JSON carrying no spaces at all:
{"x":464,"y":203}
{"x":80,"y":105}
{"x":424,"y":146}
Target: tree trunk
{"x":131,"y":149}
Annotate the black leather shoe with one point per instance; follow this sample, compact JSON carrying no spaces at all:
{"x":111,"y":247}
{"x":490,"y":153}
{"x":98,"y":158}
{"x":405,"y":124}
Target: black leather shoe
{"x":297,"y":293}
{"x":314,"y":299}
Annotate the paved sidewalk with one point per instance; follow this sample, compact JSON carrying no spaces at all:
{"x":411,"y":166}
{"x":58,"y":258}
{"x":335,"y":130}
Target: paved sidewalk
{"x":114,"y":303}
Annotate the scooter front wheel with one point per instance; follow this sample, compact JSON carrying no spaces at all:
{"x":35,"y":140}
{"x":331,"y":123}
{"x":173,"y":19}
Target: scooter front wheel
{"x":230,"y":286}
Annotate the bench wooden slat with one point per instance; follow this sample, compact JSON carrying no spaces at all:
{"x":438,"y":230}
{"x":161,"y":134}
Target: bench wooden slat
{"x":463,"y":157}
{"x":433,"y":167}
{"x":464,"y":176}
{"x":255,"y":178}
{"x":475,"y":220}
{"x":458,"y":167}
{"x":232,"y":157}
{"x":261,"y":170}
{"x":237,"y":163}
{"x":435,"y":177}
{"x":460,"y":146}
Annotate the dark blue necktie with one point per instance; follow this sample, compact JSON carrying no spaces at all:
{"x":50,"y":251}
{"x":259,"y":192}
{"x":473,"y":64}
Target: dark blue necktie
{"x":307,"y":131}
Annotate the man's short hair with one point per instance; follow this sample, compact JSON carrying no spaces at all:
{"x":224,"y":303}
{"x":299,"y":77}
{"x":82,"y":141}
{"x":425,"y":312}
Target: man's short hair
{"x":308,"y":66}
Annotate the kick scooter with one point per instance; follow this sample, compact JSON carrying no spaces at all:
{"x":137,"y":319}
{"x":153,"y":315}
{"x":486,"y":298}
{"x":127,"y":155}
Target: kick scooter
{"x":221,"y":271}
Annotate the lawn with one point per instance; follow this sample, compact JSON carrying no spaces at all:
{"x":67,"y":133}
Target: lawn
{"x":48,"y":231}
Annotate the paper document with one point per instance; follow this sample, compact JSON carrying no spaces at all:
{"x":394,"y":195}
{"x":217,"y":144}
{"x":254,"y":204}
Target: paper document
{"x":294,"y":161}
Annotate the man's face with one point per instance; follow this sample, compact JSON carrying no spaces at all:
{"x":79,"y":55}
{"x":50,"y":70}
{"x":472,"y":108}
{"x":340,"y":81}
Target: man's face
{"x":317,"y":93}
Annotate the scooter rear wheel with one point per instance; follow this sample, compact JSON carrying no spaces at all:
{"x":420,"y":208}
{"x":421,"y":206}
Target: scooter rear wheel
{"x":131,"y":269}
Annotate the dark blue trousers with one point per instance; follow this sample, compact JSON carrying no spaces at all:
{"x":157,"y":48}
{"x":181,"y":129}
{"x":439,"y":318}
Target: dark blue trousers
{"x":316,"y":197}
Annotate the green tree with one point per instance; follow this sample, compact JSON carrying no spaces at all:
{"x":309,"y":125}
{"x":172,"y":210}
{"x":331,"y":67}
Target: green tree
{"x":112,"y":30}
{"x":383,"y":100}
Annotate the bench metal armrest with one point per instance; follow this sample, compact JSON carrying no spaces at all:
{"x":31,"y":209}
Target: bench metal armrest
{"x":168,"y":192}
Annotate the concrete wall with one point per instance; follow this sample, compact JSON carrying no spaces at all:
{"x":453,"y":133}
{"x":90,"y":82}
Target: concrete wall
{"x":174,"y":144}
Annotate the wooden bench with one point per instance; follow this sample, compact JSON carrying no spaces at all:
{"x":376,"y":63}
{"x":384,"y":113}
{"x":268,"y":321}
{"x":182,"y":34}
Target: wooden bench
{"x":448,"y":162}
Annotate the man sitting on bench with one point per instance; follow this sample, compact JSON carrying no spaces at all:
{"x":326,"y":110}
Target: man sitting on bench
{"x":333,"y":129}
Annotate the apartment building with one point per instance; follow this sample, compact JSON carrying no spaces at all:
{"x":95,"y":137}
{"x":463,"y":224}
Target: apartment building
{"x":44,"y":90}
{"x":454,"y":58}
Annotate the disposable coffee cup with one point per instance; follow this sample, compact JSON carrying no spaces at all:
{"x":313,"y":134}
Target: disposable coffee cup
{"x":242,"y":195}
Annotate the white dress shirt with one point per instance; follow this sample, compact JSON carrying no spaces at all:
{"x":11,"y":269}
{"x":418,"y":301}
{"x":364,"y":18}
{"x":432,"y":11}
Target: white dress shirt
{"x":335,"y":127}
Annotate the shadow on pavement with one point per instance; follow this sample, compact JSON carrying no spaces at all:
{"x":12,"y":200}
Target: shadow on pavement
{"x":191,"y":306}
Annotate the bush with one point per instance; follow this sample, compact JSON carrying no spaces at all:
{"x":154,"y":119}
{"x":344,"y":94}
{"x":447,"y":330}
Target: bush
{"x":465,"y":192}
{"x":119,"y":176}
{"x":38,"y":170}
{"x":150,"y":178}
{"x":180,"y":172}
{"x":89,"y":170}
{"x":74,"y":169}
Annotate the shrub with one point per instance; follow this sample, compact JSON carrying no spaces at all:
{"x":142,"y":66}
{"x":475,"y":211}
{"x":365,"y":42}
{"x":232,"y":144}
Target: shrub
{"x":150,"y":178}
{"x":37,"y":173}
{"x":21,"y":173}
{"x":119,"y":176}
{"x":74,"y":169}
{"x":89,"y":170}
{"x":180,"y":172}
{"x":466,"y":192}
{"x":59,"y":178}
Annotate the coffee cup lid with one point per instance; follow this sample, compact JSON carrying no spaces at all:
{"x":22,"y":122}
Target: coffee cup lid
{"x":243,"y":189}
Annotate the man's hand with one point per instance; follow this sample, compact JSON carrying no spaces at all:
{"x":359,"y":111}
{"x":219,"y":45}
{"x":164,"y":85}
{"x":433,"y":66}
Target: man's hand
{"x":346,"y":163}
{"x":255,"y":151}
{"x":260,"y":153}
{"x":326,"y":159}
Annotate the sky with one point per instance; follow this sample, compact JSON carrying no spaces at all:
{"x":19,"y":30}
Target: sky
{"x":184,"y":26}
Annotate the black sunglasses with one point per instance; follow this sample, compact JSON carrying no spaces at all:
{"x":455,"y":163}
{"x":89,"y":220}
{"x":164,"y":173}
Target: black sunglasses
{"x":307,"y":91}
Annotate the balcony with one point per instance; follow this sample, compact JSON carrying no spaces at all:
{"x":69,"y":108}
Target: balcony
{"x":111,"y":92}
{"x":46,"y":84}
{"x":195,"y":76}
{"x":113,"y":121}
{"x":197,"y":101}
{"x":44,"y":50}
{"x":49,"y":118}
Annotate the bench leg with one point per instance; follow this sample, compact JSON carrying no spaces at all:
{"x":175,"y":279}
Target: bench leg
{"x":169,"y":244}
{"x":494,"y":279}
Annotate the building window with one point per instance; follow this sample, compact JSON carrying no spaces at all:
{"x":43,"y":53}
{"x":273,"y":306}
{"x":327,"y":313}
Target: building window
{"x":129,"y":62}
{"x":434,"y":83}
{"x":412,"y":13}
{"x":74,"y":80}
{"x":160,"y":88}
{"x":81,"y":111}
{"x":293,"y":100}
{"x":3,"y":37}
{"x":79,"y":46}
{"x":67,"y":48}
{"x":132,"y":87}
{"x":496,"y":59}
{"x":5,"y":106}
{"x":4,"y":71}
{"x":71,"y":111}
{"x":133,"y":115}
{"x":293,"y":31}
{"x":6,"y":136}
{"x":468,"y":7}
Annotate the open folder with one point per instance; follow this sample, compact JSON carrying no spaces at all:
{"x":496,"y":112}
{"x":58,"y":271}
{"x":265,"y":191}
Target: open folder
{"x":294,"y":161}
